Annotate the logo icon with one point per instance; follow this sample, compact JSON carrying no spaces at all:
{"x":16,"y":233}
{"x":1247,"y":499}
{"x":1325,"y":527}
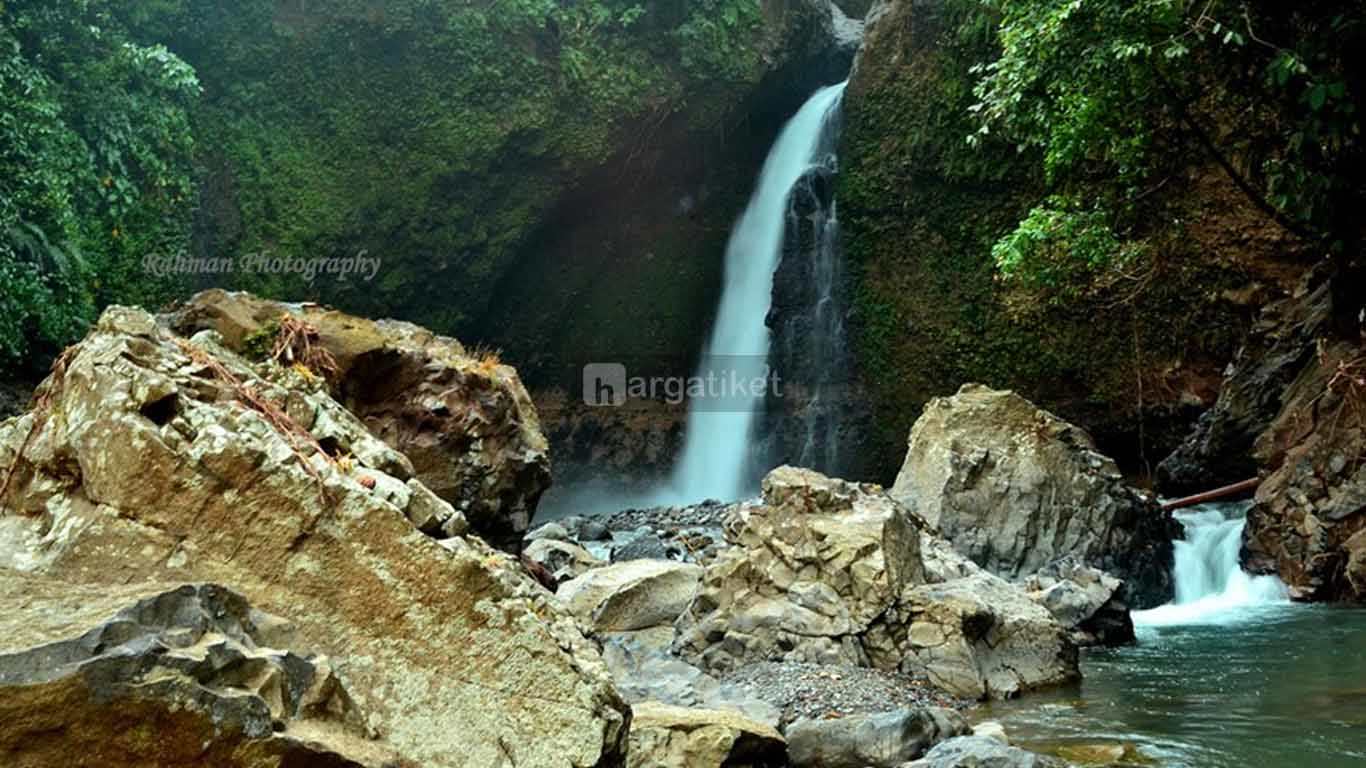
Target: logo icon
{"x":604,"y":384}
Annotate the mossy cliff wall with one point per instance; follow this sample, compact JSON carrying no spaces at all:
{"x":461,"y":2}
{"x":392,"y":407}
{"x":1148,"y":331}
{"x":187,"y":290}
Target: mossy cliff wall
{"x":1135,"y":361}
{"x":442,"y":136}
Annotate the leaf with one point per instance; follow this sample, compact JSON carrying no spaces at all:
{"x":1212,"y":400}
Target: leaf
{"x":1317,"y":95}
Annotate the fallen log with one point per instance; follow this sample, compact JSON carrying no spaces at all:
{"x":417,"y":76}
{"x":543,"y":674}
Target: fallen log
{"x":1214,"y":495}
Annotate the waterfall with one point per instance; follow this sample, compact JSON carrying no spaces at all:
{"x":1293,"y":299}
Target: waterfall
{"x":717,"y":458}
{"x":1210,"y":583}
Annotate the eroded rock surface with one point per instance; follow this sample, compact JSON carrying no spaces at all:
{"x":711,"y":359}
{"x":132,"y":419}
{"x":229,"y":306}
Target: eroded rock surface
{"x":1016,"y":488}
{"x":636,"y":594}
{"x":165,"y":677}
{"x":463,"y":418}
{"x":831,"y":572}
{"x":664,"y":736}
{"x":982,"y":752}
{"x":158,"y":459}
{"x":884,"y":740}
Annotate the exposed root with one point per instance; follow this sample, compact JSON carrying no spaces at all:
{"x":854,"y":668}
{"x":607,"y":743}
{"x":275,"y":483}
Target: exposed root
{"x":300,"y":440}
{"x":297,"y":343}
{"x":42,"y":408}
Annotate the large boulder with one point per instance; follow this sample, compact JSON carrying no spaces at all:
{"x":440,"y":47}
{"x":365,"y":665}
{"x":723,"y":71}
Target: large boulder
{"x":151,"y":458}
{"x":463,"y":418}
{"x":977,"y":637}
{"x":636,"y":594}
{"x":165,"y":677}
{"x":1016,"y":488}
{"x":812,"y":568}
{"x":664,"y":736}
{"x":1086,"y":600}
{"x":828,"y":571}
{"x":883,"y":740}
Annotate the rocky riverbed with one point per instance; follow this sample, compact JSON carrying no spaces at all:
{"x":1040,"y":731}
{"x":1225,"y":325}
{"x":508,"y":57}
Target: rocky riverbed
{"x":220,"y":513}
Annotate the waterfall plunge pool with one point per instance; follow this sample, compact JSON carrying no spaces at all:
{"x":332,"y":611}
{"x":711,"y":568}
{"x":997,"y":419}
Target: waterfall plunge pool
{"x":1230,"y":674}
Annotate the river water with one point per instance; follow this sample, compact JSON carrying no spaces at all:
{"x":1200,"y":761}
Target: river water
{"x":1230,"y":674}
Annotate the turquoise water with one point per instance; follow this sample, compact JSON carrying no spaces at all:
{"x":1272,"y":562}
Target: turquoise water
{"x":1265,"y":686}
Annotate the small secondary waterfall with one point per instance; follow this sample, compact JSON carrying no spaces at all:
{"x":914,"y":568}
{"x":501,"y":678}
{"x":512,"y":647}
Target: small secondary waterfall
{"x":716,"y":461}
{"x":1209,"y":580}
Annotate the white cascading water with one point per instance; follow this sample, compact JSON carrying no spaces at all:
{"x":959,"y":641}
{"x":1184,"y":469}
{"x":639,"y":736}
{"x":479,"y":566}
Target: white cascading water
{"x":1211,"y":586}
{"x":715,"y":462}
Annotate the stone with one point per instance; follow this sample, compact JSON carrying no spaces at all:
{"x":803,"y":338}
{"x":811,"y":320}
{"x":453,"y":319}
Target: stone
{"x":826,"y":571}
{"x":981,"y":752}
{"x":991,"y":729}
{"x":464,"y":421}
{"x":1014,"y":488}
{"x":151,"y":461}
{"x":809,"y":570}
{"x":562,"y":560}
{"x":644,"y":668}
{"x":645,"y":544}
{"x":164,"y":676}
{"x":664,"y":736}
{"x":884,"y":740}
{"x":636,"y":594}
{"x":1308,"y":521}
{"x":1086,"y":600}
{"x":977,"y":637}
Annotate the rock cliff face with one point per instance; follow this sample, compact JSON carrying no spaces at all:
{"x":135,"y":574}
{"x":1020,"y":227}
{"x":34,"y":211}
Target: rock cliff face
{"x":463,"y":419}
{"x":920,"y":210}
{"x":151,"y":458}
{"x":819,"y":418}
{"x":1015,"y":488}
{"x":1293,"y":409}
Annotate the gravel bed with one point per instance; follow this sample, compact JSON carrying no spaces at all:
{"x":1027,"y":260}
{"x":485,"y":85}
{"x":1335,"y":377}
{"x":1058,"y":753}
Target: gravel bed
{"x":824,"y":691}
{"x":708,"y":514}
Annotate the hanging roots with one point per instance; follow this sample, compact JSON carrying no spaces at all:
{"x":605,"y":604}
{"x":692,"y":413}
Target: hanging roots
{"x":300,"y":440}
{"x":298,"y":343}
{"x":42,"y":408}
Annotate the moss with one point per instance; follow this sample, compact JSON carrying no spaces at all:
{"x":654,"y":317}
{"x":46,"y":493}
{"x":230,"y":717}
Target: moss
{"x":921,"y":211}
{"x":260,"y":343}
{"x":434,"y":136}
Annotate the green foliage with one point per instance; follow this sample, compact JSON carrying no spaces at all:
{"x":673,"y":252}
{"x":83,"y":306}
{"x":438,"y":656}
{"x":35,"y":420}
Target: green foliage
{"x":1114,"y":93}
{"x":1060,"y":248}
{"x":95,"y":152}
{"x":433,"y":135}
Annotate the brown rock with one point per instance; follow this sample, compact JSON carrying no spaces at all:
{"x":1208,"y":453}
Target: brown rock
{"x":464,"y":420}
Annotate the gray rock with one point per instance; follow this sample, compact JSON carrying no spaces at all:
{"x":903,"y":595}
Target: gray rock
{"x":186,"y":663}
{"x":981,"y":752}
{"x":883,"y":740}
{"x":563,"y":560}
{"x":976,"y":637}
{"x":645,"y":544}
{"x":633,"y":595}
{"x":1015,"y":488}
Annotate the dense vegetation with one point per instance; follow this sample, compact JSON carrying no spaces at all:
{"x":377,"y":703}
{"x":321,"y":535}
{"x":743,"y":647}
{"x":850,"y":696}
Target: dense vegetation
{"x":1115,"y":94}
{"x":1061,"y":196}
{"x":95,"y":151}
{"x":433,"y":136}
